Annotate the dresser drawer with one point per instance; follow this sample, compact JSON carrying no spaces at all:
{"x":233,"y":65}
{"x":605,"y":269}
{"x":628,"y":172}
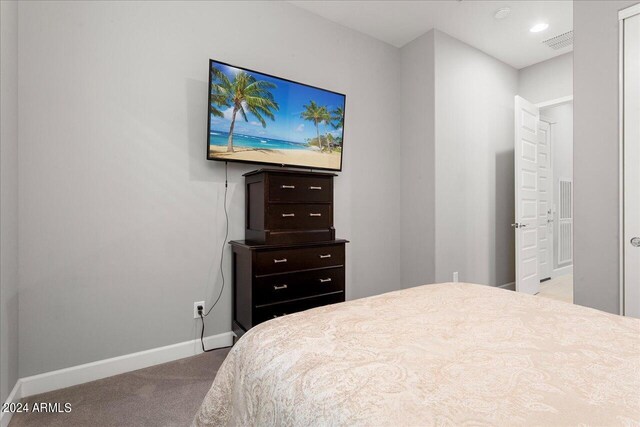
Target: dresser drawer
{"x":293,"y":259}
{"x":284,"y":287}
{"x":263,"y":314}
{"x":299,"y":216}
{"x":279,"y":237}
{"x":291,"y":188}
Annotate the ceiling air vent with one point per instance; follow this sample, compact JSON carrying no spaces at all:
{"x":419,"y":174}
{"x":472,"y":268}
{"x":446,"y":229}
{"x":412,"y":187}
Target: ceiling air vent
{"x":558,"y":42}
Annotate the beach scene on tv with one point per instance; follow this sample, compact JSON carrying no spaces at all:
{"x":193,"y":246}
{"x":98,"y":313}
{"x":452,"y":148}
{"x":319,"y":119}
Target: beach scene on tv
{"x":259,"y":118}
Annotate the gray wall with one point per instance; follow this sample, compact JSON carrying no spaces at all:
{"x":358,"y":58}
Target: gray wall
{"x":596,"y":151}
{"x":457,"y":163}
{"x":547,"y":80}
{"x":8,"y":197}
{"x":562,"y":158}
{"x":474,"y":164}
{"x":121,"y":215}
{"x":417,"y":210}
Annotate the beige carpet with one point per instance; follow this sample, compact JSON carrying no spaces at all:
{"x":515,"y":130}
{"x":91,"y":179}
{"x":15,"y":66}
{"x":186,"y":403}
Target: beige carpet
{"x":560,"y":288}
{"x":162,"y":395}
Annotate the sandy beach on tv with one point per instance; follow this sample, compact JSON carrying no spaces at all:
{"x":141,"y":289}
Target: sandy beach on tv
{"x":303,"y":158}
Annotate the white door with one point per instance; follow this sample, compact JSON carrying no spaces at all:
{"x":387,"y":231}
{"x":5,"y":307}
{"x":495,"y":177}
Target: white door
{"x":545,"y":197}
{"x":631,"y":141}
{"x":527,"y":117}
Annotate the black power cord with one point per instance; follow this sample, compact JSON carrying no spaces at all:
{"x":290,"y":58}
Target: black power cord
{"x":202,"y":335}
{"x":224,"y":244}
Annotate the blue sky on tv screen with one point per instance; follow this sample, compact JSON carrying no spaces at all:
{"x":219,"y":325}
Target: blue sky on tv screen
{"x":288,"y":125}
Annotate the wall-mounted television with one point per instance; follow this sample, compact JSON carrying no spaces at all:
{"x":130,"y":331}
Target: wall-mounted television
{"x":258,"y":118}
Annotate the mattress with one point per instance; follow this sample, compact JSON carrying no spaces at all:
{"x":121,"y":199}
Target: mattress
{"x":445,"y":354}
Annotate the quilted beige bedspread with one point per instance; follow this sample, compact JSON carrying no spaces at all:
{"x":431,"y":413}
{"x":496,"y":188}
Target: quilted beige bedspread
{"x":446,"y":355}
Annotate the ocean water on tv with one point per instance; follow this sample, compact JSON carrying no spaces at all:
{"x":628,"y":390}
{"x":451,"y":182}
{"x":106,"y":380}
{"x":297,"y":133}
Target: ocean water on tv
{"x":220,"y":138}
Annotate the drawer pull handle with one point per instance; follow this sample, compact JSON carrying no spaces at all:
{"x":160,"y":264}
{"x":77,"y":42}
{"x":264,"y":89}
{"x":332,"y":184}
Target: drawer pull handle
{"x":315,"y":214}
{"x":325,"y":280}
{"x":315,"y":188}
{"x":278,"y":261}
{"x":279,"y":315}
{"x":288,"y":215}
{"x":325,"y":256}
{"x":287,"y":187}
{"x":277,"y":288}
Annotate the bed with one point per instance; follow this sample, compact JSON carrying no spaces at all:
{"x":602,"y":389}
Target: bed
{"x":445,"y":354}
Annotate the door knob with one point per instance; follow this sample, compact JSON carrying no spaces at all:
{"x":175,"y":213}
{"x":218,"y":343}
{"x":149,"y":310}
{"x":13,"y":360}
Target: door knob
{"x":635,"y":242}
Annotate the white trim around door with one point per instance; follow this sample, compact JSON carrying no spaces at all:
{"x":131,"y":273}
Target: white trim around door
{"x":554,"y":102}
{"x":629,"y":149}
{"x":629,"y":12}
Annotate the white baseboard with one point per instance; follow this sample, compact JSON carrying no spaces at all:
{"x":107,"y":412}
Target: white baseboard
{"x":510,"y":286}
{"x":80,"y":374}
{"x":562,"y":271}
{"x":14,"y":397}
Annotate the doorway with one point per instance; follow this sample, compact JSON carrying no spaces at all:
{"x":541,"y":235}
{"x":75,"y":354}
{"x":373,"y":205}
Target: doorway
{"x":544,"y":198}
{"x":630,"y":158}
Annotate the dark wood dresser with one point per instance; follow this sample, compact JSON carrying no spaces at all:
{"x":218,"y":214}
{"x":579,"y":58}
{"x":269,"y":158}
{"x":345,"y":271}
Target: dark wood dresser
{"x":285,"y":206}
{"x":290,"y":260}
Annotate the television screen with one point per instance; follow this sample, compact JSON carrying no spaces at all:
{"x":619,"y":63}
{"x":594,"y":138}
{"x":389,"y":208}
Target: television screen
{"x":258,"y":118}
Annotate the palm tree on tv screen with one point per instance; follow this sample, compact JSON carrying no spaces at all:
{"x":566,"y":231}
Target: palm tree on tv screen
{"x":316,"y":114}
{"x":337,"y":118}
{"x":243,"y":94}
{"x":218,"y":95}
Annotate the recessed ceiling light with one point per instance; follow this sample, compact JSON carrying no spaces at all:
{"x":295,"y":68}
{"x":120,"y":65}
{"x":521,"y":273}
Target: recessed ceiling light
{"x":502,"y":13}
{"x":539,"y":27}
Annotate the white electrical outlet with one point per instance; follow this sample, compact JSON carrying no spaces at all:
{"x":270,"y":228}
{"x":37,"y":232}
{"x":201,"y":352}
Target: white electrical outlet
{"x":195,"y":309}
{"x":455,"y":277}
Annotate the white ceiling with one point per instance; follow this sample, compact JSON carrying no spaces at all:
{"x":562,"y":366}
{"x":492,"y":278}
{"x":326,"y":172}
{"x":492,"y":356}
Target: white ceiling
{"x":472,"y":21}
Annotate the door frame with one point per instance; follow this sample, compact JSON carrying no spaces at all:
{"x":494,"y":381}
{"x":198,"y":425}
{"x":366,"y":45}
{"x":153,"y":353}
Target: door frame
{"x":555,"y":102}
{"x":543,"y":104}
{"x":622,"y":15}
{"x":546,"y":104}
